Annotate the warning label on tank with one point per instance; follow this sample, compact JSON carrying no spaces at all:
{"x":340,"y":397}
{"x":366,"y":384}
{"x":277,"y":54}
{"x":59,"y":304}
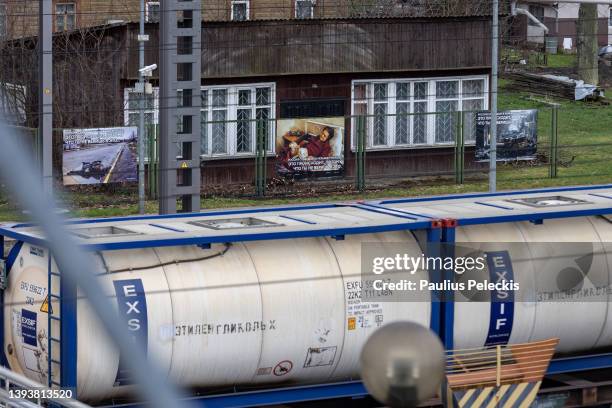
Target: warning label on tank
{"x":205,"y":329}
{"x":283,"y":368}
{"x":320,"y":356}
{"x":361,"y":314}
{"x":264,"y":371}
{"x":28,"y":327}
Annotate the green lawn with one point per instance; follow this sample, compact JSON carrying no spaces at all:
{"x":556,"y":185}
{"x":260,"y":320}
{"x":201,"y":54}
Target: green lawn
{"x":585,"y":141}
{"x":561,"y":60}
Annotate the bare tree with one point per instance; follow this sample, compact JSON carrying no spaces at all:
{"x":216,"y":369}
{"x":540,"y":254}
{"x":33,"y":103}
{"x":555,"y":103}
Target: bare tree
{"x":586,"y":44}
{"x":418,"y":8}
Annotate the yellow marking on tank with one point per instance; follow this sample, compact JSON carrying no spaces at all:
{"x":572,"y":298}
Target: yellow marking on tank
{"x":45,"y":306}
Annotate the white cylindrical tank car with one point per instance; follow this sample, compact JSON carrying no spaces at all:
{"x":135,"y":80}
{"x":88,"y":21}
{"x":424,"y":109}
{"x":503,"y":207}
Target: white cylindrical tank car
{"x":286,"y":311}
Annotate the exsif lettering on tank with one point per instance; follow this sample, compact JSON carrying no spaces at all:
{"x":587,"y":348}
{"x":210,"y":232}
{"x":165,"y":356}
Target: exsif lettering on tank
{"x":133,"y":311}
{"x":205,"y":329}
{"x":28,"y":327}
{"x":502,"y":302}
{"x":356,"y":291}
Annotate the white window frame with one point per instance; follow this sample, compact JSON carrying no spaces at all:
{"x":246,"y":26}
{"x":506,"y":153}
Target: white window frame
{"x":391,"y":109}
{"x":312,"y":6}
{"x":74,"y":14}
{"x":127,"y":111}
{"x":248,"y":9}
{"x":232,"y":116}
{"x":148,"y":13}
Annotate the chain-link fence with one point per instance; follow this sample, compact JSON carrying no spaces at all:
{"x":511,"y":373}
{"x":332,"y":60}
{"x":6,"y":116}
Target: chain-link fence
{"x":358,"y":156}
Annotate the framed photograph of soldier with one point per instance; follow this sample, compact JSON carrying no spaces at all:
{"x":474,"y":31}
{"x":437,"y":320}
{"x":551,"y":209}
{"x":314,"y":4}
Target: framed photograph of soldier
{"x":310,"y":147}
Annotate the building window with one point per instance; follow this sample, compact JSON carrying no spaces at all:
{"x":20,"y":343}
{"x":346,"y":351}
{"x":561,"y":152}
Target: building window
{"x":610,"y":17}
{"x":3,"y":21}
{"x":304,"y":9}
{"x":422,"y":112}
{"x":538,"y":12}
{"x":240,"y":10}
{"x":233,"y":117}
{"x":65,"y":16}
{"x":132,"y":107}
{"x":152,"y":11}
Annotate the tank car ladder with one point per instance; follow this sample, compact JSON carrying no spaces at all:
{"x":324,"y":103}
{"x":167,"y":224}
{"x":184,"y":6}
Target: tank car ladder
{"x":54,"y":280}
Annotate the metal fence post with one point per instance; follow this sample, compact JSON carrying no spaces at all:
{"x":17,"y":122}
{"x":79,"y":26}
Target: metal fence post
{"x":459,"y":150}
{"x":260,"y":147}
{"x":554,"y":135}
{"x":360,"y":124}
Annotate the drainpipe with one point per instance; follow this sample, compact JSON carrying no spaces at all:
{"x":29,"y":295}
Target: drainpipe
{"x":517,"y":10}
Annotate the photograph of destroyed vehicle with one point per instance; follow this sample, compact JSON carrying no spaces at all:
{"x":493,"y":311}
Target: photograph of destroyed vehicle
{"x":99,"y":156}
{"x":516,"y":135}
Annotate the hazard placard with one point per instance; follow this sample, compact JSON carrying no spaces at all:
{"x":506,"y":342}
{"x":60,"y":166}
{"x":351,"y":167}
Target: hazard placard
{"x":46,"y":307}
{"x":352,"y":323}
{"x":184,"y":165}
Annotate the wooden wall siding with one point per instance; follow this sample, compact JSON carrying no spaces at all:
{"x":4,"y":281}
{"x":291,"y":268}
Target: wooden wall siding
{"x":273,"y":48}
{"x":280,"y":48}
{"x":390,"y":164}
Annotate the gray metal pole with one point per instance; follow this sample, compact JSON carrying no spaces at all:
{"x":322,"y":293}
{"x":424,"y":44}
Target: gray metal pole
{"x":494,"y":58}
{"x":45,"y":91}
{"x":141,"y":125}
{"x":180,"y":60}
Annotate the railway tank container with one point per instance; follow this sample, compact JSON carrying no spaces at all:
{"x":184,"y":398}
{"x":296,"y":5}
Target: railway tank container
{"x":286,"y":311}
{"x":254,"y":313}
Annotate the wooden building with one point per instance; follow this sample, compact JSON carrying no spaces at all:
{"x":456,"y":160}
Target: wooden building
{"x":409,"y":69}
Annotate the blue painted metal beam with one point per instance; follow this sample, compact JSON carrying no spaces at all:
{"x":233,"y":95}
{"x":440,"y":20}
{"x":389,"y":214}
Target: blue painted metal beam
{"x":239,"y":237}
{"x":435,"y":275}
{"x":68,"y":333}
{"x":497,"y":194}
{"x":355,"y":389}
{"x":213,"y":213}
{"x":448,"y":308}
{"x":582,"y":363}
{"x":534,"y":216}
{"x":286,"y":395}
{"x":10,"y":260}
